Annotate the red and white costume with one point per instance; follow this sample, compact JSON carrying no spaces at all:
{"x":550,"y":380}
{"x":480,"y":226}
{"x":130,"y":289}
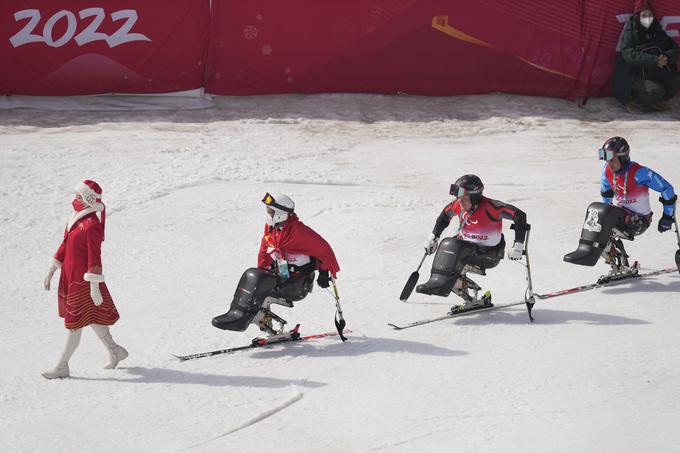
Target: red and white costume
{"x":84,"y":299}
{"x":79,"y":253}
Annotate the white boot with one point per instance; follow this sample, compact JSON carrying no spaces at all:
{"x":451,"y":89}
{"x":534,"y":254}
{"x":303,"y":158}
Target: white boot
{"x":116,"y":352}
{"x":61,"y":370}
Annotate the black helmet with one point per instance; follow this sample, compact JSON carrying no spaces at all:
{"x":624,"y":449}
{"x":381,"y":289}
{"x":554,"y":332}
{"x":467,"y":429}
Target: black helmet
{"x":468,"y":185}
{"x":615,"y":146}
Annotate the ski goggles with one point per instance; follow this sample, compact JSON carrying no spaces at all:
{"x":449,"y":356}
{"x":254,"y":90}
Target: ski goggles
{"x":270,"y":201}
{"x":458,"y":191}
{"x":605,"y":154}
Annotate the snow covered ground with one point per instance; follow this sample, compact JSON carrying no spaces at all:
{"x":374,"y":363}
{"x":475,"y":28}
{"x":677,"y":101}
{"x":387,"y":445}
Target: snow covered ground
{"x":596,"y":372}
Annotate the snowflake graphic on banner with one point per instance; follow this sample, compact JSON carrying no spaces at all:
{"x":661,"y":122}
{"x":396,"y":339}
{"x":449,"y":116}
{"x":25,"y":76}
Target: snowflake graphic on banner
{"x":250,"y":32}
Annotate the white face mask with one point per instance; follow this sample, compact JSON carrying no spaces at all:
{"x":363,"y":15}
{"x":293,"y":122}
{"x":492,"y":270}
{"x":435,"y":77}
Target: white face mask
{"x":278,"y":217}
{"x":646,"y":21}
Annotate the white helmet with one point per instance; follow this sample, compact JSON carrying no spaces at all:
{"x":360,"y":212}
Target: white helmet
{"x":279,"y":206}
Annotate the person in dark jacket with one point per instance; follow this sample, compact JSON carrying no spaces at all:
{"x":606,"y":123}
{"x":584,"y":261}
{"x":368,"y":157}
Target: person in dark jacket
{"x":646,"y":76}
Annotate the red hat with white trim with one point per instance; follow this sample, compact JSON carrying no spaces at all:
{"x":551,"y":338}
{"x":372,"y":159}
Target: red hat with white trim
{"x":91,"y":193}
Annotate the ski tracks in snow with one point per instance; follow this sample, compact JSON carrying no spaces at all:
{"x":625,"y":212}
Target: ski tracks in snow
{"x":297,"y":396}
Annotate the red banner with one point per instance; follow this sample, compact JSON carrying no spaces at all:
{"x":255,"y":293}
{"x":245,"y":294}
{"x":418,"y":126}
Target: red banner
{"x":433,"y":47}
{"x":88,"y":47}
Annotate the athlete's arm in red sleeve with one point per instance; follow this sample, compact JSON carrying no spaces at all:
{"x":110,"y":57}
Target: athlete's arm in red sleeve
{"x":510,"y":212}
{"x":445,"y":217}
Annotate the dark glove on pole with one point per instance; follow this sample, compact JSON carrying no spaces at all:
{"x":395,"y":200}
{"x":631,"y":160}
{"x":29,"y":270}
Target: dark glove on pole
{"x":665,"y":223}
{"x":324,"y":278}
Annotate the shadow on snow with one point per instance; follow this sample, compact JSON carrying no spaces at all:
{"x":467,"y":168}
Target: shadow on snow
{"x":357,"y":346}
{"x":142,"y":375}
{"x":548,"y":316}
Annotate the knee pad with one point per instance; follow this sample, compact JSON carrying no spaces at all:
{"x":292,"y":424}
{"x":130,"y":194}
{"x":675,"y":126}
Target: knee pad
{"x":446,"y":268}
{"x":255,"y":285}
{"x":449,"y":258}
{"x":596,"y":231}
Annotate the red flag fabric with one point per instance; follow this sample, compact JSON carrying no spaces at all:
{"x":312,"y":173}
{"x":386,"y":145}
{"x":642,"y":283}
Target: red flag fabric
{"x":296,"y":237}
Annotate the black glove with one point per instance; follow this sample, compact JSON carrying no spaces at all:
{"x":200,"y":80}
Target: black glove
{"x":665,"y":223}
{"x":324,"y":279}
